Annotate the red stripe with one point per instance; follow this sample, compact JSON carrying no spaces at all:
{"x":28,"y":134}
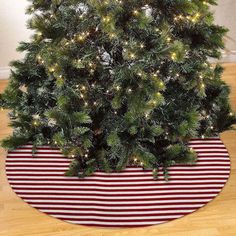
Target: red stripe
{"x":117,"y":205}
{"x":115,"y":215}
{"x":146,"y":175}
{"x":37,"y":152}
{"x":117,"y":210}
{"x":51,"y":192}
{"x":117,"y":190}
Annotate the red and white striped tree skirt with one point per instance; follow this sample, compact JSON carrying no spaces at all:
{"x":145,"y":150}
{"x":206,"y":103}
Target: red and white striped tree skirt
{"x":127,"y":199}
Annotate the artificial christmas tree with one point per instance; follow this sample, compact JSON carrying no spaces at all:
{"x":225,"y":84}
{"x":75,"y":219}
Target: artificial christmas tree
{"x":114,"y":83}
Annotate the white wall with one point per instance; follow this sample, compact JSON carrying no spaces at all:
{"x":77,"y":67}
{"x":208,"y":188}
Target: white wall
{"x":12,"y":31}
{"x":13,"y":27}
{"x":225,"y":14}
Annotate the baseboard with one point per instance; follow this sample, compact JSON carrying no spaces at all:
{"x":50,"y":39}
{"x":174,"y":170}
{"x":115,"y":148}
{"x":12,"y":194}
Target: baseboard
{"x":229,"y":57}
{"x":4,"y":72}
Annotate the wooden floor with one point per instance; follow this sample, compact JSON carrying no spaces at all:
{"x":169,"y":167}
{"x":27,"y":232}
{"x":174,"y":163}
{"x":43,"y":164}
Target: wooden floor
{"x":218,"y":218}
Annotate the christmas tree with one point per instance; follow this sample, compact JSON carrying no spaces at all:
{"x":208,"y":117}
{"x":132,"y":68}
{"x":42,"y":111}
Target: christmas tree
{"x":119,"y":82}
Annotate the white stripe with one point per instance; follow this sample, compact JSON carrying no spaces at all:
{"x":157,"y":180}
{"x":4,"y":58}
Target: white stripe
{"x":211,"y":150}
{"x":202,"y":142}
{"x":129,"y":178}
{"x":31,"y":146}
{"x":214,"y":162}
{"x":31,"y":151}
{"x":45,"y":161}
{"x":66,"y":168}
{"x":221,"y":145}
{"x":121,"y":223}
{"x":213,"y":158}
{"x":113,"y":193}
{"x":37,"y":164}
{"x":192,"y":167}
{"x":126,"y":188}
{"x":117,"y":213}
{"x":124,"y":203}
{"x":115,"y":218}
{"x":10,"y":172}
{"x":36,"y":168}
{"x":127,"y":183}
{"x":172,"y":172}
{"x":191,"y":205}
{"x":38,"y":159}
{"x":61,"y":155}
{"x":36,"y":155}
{"x":115,"y":197}
{"x":213,"y":154}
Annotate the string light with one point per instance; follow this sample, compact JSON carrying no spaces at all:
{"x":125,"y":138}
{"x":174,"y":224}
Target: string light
{"x":106,"y":19}
{"x":129,"y":90}
{"x":91,"y":71}
{"x":36,"y":123}
{"x":132,"y":55}
{"x":168,"y":39}
{"x":52,"y":69}
{"x":173,"y":56}
{"x":39,"y":34}
{"x":82,"y":36}
{"x":135,"y":12}
{"x":194,"y":18}
{"x":86,"y":155}
{"x":231,"y":113}
{"x":39,"y":57}
{"x":118,"y":88}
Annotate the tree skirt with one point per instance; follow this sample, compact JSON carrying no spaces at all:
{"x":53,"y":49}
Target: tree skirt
{"x":127,"y":199}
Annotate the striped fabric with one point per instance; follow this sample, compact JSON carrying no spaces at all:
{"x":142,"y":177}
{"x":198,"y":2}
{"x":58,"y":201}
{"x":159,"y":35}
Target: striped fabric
{"x":127,"y":199}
